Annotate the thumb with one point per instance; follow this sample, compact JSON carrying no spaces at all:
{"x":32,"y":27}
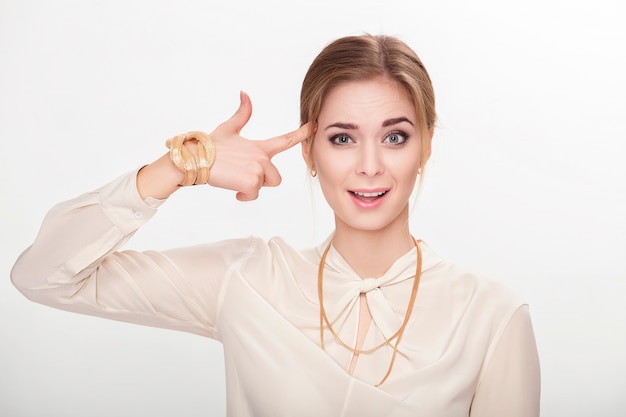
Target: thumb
{"x":241,"y":116}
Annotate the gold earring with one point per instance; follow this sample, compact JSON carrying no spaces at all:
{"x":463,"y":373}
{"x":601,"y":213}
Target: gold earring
{"x":313,"y":173}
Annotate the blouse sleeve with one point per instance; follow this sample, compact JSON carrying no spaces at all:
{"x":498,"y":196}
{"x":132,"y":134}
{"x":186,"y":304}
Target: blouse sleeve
{"x":74,"y":264}
{"x":510,"y":383}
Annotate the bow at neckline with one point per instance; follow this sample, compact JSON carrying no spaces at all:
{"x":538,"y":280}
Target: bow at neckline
{"x":343,"y":287}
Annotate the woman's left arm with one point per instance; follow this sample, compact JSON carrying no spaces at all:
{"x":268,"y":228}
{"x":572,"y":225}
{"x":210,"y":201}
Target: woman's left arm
{"x":511,"y":383}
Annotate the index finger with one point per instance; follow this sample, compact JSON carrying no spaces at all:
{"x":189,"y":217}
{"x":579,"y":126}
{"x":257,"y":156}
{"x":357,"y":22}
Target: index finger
{"x":281,"y":143}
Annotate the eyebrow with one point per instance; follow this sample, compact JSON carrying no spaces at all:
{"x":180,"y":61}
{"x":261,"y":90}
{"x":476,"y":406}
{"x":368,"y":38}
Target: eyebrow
{"x":391,"y":122}
{"x":346,"y":126}
{"x":386,"y":123}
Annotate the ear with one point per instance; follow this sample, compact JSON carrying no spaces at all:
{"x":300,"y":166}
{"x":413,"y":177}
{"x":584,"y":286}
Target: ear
{"x":306,"y":154}
{"x":428,"y":144}
{"x":306,"y":150}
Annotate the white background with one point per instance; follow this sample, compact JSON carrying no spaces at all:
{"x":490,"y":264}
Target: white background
{"x":526,"y":182}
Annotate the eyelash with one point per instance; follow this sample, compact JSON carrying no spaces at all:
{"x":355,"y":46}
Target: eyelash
{"x":405,"y":137}
{"x":335,"y":139}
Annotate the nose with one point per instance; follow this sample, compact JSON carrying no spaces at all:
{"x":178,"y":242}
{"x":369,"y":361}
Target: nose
{"x":369,"y":159}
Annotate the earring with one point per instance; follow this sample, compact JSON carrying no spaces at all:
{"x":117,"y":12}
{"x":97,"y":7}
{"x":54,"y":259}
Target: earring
{"x":313,"y":173}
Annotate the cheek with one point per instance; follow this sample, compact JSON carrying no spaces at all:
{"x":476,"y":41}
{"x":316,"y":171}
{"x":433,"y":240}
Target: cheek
{"x":330,"y":170}
{"x":407,"y":170}
{"x":319,"y":157}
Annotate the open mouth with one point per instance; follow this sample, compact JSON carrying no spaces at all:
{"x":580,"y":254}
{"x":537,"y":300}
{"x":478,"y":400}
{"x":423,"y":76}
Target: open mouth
{"x":368,"y":197}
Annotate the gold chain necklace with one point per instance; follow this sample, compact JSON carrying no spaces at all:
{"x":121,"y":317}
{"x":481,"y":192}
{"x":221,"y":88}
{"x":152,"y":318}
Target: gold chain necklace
{"x":397,"y":335}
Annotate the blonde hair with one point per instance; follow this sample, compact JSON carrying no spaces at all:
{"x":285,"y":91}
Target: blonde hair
{"x":360,"y":58}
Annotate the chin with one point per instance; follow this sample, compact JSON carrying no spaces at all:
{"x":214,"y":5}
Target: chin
{"x":368,"y":225}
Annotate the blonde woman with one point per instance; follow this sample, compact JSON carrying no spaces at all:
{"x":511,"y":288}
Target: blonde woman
{"x":369,"y":323}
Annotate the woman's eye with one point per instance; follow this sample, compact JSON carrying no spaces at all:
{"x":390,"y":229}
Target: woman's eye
{"x":341,"y":139}
{"x":396,"y":138}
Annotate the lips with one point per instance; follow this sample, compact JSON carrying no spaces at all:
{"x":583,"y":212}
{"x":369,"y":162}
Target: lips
{"x":369,"y":198}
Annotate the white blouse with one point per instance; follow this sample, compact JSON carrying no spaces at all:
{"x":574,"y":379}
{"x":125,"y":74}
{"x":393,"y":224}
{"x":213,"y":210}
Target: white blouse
{"x":468,"y":348}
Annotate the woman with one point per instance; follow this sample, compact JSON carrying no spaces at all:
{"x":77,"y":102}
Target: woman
{"x":369,"y":323}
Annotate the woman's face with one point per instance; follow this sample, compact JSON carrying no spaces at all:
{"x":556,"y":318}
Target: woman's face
{"x":367,"y":151}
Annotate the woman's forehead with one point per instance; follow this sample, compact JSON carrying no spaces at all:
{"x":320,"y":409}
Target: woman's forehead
{"x":362,"y":101}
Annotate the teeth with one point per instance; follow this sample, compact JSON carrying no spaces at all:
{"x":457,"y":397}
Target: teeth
{"x":369,"y":194}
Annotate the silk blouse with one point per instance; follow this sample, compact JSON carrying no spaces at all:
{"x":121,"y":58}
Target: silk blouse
{"x":468,"y":348}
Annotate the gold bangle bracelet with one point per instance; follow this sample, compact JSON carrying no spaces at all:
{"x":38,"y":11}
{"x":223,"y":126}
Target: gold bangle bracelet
{"x":182,"y":158}
{"x":206,"y":157}
{"x":195,"y":167}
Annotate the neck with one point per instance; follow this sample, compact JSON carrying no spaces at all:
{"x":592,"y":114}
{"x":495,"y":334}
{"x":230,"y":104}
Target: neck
{"x":372,"y":252}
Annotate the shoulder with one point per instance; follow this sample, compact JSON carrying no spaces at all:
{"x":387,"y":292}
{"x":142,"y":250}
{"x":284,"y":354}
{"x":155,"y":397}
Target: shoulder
{"x":473,"y":291}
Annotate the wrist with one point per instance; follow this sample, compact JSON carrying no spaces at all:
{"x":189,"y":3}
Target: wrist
{"x":159,"y":179}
